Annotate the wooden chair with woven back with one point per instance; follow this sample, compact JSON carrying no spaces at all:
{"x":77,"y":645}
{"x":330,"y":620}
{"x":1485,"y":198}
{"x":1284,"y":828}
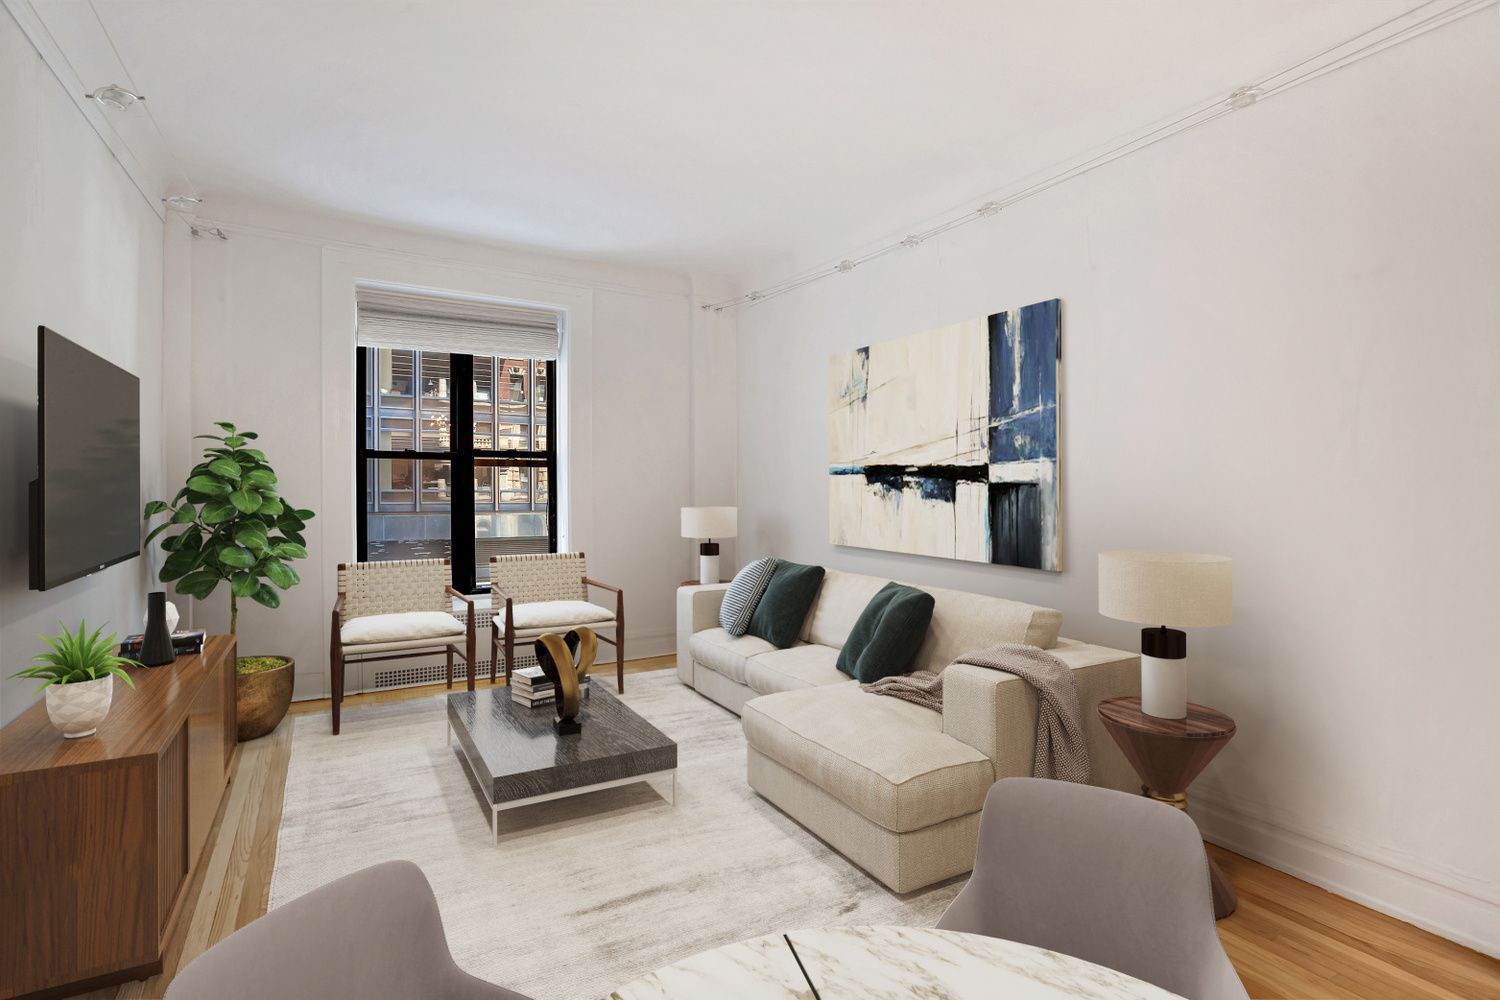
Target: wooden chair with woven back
{"x":548,"y":592}
{"x":397,"y":610}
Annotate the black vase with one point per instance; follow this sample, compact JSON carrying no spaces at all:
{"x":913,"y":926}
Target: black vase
{"x":156,"y":644}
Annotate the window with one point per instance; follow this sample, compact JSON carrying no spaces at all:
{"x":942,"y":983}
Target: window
{"x":433,"y":420}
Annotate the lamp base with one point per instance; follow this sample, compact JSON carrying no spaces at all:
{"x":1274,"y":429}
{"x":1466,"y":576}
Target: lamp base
{"x":708,"y":562}
{"x":1164,"y":673}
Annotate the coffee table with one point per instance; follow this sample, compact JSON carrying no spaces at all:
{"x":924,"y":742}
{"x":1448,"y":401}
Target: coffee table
{"x":519,"y":759}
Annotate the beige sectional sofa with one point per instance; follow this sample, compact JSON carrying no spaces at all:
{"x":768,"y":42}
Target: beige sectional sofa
{"x":894,"y":787}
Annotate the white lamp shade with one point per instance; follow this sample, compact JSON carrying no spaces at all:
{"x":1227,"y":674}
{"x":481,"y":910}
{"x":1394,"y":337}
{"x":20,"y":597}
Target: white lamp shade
{"x":1174,"y":589}
{"x":709,"y":522}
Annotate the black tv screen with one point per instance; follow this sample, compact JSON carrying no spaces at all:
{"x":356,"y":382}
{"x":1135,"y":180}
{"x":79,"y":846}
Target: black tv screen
{"x":86,"y":511}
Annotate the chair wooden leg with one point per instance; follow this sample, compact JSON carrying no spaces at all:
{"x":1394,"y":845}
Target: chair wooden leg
{"x":510,"y":653}
{"x":470,"y":642}
{"x":336,"y":682}
{"x":494,"y":653}
{"x":450,"y":667}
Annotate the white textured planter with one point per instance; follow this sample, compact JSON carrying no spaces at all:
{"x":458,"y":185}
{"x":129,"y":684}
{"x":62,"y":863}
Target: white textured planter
{"x":77,"y":709}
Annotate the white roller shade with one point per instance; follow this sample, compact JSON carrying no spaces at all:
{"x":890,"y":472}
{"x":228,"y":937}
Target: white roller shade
{"x":412,"y":321}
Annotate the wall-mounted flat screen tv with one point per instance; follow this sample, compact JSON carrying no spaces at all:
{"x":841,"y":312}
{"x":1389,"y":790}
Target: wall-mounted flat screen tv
{"x":85,"y":502}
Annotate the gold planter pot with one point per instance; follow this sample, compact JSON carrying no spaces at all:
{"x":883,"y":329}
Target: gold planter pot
{"x":262,"y":698}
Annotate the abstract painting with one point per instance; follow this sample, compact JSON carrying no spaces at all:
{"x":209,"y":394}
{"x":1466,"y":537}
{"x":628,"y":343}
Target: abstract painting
{"x":944,"y":443}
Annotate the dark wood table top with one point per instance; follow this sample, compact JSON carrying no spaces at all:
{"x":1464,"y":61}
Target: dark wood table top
{"x":1202,"y":722}
{"x":517,"y":753}
{"x":141,"y":719}
{"x":699,"y":583}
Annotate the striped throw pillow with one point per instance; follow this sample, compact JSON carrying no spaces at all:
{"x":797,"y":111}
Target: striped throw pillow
{"x":744,"y":593}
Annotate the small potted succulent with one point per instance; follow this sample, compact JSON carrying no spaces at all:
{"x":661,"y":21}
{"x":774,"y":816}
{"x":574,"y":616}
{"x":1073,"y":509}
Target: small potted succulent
{"x":78,"y":673}
{"x":230,"y":524}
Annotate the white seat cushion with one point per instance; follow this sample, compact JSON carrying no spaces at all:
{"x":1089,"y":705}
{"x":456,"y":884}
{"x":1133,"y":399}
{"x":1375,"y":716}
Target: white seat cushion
{"x":808,"y":665}
{"x":555,"y":614}
{"x":886,"y":759}
{"x":725,"y":654}
{"x":399,"y":627}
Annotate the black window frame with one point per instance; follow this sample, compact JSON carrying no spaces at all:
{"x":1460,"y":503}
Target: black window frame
{"x":462,"y":456}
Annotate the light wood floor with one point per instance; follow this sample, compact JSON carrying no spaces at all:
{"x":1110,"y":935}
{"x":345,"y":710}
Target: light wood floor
{"x":1287,"y":939}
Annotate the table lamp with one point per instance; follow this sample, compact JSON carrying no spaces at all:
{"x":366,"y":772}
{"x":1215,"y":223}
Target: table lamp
{"x":1164,"y":589}
{"x":709,"y":523}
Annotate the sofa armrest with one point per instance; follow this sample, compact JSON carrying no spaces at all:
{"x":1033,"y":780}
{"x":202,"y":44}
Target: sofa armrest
{"x":995,"y":712}
{"x":697,"y":609}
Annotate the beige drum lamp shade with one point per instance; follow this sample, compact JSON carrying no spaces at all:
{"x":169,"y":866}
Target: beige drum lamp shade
{"x":709,"y":522}
{"x":1176,"y":589}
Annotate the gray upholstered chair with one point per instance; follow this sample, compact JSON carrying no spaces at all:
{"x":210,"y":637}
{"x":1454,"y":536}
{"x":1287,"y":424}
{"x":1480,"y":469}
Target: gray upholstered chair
{"x":394,"y":610}
{"x":548,"y":592}
{"x":1112,"y":878}
{"x":373,"y":935}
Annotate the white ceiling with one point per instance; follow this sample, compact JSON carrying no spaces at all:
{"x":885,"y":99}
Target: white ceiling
{"x":710,"y":136}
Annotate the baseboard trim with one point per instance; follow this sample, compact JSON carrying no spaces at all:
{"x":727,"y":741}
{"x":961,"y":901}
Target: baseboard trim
{"x":1419,"y":898}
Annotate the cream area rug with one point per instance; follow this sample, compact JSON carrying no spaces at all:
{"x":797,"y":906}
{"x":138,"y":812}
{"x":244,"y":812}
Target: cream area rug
{"x":622,"y":880}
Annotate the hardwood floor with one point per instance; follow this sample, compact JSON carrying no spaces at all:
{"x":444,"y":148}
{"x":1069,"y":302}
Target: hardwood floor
{"x":1287,"y":939}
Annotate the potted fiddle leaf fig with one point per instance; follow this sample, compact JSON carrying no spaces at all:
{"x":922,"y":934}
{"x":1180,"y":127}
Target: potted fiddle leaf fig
{"x":229,"y":524}
{"x":78,"y":673}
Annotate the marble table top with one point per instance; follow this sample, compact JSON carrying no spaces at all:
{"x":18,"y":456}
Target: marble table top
{"x":885,"y":963}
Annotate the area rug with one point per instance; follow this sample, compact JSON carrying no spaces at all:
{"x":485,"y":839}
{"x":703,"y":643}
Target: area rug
{"x":620,"y":878}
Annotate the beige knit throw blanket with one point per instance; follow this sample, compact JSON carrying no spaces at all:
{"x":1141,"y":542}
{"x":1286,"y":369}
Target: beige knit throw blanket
{"x":1062,"y":747}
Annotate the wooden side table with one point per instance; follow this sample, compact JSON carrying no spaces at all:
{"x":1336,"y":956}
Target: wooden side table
{"x":696,"y":583}
{"x":1168,"y":754}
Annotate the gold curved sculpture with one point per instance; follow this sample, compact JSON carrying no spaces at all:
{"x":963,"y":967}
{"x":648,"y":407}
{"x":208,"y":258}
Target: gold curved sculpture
{"x":566,"y":660}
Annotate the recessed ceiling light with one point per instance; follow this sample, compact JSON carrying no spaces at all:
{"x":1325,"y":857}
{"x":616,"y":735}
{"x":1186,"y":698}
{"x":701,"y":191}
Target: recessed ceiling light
{"x":114,"y":96}
{"x":183,"y":202}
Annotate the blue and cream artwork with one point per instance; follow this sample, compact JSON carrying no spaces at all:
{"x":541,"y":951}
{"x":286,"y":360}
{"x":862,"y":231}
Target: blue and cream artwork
{"x":944,"y":443}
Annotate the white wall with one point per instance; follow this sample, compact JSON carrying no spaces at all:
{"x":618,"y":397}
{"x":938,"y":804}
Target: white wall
{"x":271,"y":348}
{"x":1279,"y":343}
{"x":81,"y":252}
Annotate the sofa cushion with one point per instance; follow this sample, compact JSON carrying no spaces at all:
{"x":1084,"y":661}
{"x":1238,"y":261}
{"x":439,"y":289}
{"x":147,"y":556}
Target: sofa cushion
{"x":554,"y":614}
{"x":400,"y":626}
{"x":887,"y":759}
{"x":744,"y":594}
{"x":802,"y":666}
{"x":887,"y":634}
{"x":841,"y":600}
{"x":963,"y":622}
{"x":782,"y":610}
{"x":724,"y":653}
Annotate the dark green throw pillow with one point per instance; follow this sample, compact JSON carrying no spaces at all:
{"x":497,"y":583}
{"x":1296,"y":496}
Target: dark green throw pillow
{"x":886,"y":636}
{"x":783,"y":608}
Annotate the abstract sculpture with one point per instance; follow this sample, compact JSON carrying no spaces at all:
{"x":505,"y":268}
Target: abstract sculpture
{"x":566,"y":661}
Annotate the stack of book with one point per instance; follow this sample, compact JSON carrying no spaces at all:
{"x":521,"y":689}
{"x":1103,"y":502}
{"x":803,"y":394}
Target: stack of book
{"x":185,"y":642}
{"x":530,"y":687}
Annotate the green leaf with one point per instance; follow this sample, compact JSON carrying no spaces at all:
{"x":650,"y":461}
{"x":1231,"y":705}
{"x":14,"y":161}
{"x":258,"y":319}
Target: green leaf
{"x":281,"y":574}
{"x":155,"y":507}
{"x":235,"y":556}
{"x":260,"y":478}
{"x":251,"y":536}
{"x":249,"y":434}
{"x":228,"y":427}
{"x":226,"y":467}
{"x":178,"y":564}
{"x":265,"y":595}
{"x":217,"y":512}
{"x":234,"y":441}
{"x":254,"y":454}
{"x":288,"y":550}
{"x":211,"y":437}
{"x":156,"y":531}
{"x":304,"y":514}
{"x":272,"y":506}
{"x":243,"y":584}
{"x":190,"y":540}
{"x":246,"y":501}
{"x":184,"y":515}
{"x":209,"y":486}
{"x":198,"y":585}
